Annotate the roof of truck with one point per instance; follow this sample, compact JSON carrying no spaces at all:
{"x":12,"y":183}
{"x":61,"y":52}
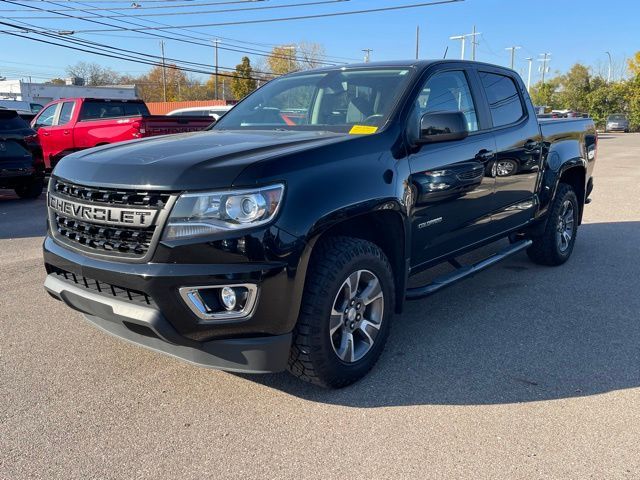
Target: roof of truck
{"x":421,"y":64}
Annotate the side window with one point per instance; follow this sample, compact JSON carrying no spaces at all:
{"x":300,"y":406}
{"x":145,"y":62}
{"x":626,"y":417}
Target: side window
{"x":65,"y":113}
{"x":445,"y":91}
{"x":47,"y":116}
{"x":503,"y":97}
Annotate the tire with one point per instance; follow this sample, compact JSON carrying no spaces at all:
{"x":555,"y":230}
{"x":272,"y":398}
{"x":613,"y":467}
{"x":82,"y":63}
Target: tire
{"x":553,"y":247}
{"x":320,"y":356}
{"x":506,"y":168}
{"x":31,"y":190}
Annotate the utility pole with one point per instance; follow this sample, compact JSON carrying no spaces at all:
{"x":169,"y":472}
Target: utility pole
{"x":215,"y":43}
{"x":513,"y":54}
{"x":164,"y":73}
{"x":473,"y":44}
{"x":530,"y":60}
{"x":545,"y":60}
{"x":463,"y":38}
{"x":417,"y":42}
{"x":609,"y":74}
{"x":367,"y":54}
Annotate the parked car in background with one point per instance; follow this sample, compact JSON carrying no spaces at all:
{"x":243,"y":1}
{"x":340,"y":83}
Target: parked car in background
{"x":73,"y":124}
{"x":617,"y":123}
{"x":21,"y":166}
{"x":215,"y":112}
{"x":21,"y":105}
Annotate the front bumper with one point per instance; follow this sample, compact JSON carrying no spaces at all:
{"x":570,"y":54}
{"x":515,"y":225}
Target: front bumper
{"x":146,"y":326}
{"x":141,"y":302}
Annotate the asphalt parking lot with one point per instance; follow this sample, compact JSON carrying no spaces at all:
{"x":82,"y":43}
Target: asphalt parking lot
{"x":521,"y":372}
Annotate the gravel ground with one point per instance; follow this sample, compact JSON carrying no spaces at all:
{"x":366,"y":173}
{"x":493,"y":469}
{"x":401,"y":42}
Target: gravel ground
{"x":522,"y":372}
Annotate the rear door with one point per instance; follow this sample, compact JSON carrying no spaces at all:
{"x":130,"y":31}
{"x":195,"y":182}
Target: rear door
{"x":518,"y":147}
{"x":452,"y":180}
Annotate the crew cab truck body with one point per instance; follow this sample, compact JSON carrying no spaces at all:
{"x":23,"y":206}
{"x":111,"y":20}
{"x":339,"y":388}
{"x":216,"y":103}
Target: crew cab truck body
{"x":259,"y":245}
{"x":71,"y":124}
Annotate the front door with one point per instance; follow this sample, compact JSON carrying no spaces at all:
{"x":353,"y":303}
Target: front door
{"x":453,"y":181}
{"x":60,"y":134}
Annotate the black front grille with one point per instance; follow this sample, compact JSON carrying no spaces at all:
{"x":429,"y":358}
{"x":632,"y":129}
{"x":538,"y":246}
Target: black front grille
{"x":133,"y":198}
{"x":121,"y":293}
{"x":119,"y":240}
{"x":105,"y":238}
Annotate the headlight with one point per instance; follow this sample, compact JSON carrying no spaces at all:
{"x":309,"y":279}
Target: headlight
{"x":197,"y":214}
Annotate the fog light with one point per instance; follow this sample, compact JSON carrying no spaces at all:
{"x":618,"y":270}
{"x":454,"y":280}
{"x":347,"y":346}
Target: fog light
{"x":228,"y":298}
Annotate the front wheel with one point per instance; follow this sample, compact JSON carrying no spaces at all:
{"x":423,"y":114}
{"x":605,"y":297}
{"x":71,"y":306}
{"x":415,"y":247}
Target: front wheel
{"x":555,"y":245}
{"x":31,"y":190}
{"x":345,"y":314}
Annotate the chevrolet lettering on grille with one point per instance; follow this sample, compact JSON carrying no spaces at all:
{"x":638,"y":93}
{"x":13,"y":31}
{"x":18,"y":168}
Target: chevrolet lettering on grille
{"x":102,"y":214}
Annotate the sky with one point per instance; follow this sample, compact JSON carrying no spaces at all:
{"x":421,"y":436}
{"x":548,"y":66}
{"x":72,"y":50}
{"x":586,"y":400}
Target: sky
{"x":571,"y":30}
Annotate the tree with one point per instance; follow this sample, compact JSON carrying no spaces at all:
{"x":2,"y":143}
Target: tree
{"x":56,"y":81}
{"x":224,"y":87}
{"x":94,"y":74}
{"x":634,"y":65}
{"x":290,"y":58}
{"x":310,"y":55}
{"x":152,"y":85}
{"x":545,"y":94}
{"x":575,"y":85}
{"x":282,"y":60}
{"x":242,"y":83}
{"x":607,"y":98}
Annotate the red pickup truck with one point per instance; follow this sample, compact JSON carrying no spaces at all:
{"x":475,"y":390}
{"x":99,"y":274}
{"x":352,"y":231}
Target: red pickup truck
{"x":70,"y":124}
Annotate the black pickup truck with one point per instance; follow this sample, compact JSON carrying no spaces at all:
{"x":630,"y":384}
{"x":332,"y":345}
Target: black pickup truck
{"x":285,"y":235}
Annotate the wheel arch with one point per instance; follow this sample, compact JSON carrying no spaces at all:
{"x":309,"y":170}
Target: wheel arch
{"x":386,"y":228}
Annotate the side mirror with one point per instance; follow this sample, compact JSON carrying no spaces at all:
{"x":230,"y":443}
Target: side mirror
{"x":443,"y":127}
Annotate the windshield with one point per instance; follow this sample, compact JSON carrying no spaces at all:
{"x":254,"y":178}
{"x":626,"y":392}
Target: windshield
{"x":617,"y":118}
{"x":336,"y":100}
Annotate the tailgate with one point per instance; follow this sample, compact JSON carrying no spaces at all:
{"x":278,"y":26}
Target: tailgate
{"x":165,"y":125}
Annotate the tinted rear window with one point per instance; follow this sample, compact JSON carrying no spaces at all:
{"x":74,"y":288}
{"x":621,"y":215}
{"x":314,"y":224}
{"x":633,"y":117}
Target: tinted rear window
{"x":503,"y":97}
{"x":95,"y":110}
{"x":10,"y":120}
{"x":617,"y":118}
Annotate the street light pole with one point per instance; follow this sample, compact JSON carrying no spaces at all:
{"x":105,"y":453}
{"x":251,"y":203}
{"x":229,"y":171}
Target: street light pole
{"x":609,"y":74}
{"x":463,"y":39}
{"x":530,"y":60}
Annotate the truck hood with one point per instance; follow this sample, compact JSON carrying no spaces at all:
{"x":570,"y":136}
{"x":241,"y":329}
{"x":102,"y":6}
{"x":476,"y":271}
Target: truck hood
{"x":191,"y":161}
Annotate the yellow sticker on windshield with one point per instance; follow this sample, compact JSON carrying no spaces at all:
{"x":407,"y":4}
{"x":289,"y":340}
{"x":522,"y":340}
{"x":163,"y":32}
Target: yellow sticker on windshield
{"x":362,"y":130}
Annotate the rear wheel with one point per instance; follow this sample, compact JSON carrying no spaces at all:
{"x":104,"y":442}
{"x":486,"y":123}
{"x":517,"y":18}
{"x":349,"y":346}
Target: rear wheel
{"x":555,"y":245}
{"x":33,"y":189}
{"x":345,"y":314}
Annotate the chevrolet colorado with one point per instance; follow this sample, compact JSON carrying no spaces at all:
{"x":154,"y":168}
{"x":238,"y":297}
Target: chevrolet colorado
{"x":276,"y":241}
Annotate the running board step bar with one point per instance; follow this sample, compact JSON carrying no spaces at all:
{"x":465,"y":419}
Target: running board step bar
{"x":463,"y":272}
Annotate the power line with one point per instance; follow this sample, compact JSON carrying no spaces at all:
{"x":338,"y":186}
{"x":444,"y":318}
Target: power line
{"x":135,"y":6}
{"x":152,"y":34}
{"x":200,"y":12}
{"x":284,"y":19}
{"x":128,"y":55}
{"x":119,"y":57}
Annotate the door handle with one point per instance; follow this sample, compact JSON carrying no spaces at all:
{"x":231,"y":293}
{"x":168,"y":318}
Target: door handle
{"x":66,"y":132}
{"x":485,"y":155}
{"x":45,"y":133}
